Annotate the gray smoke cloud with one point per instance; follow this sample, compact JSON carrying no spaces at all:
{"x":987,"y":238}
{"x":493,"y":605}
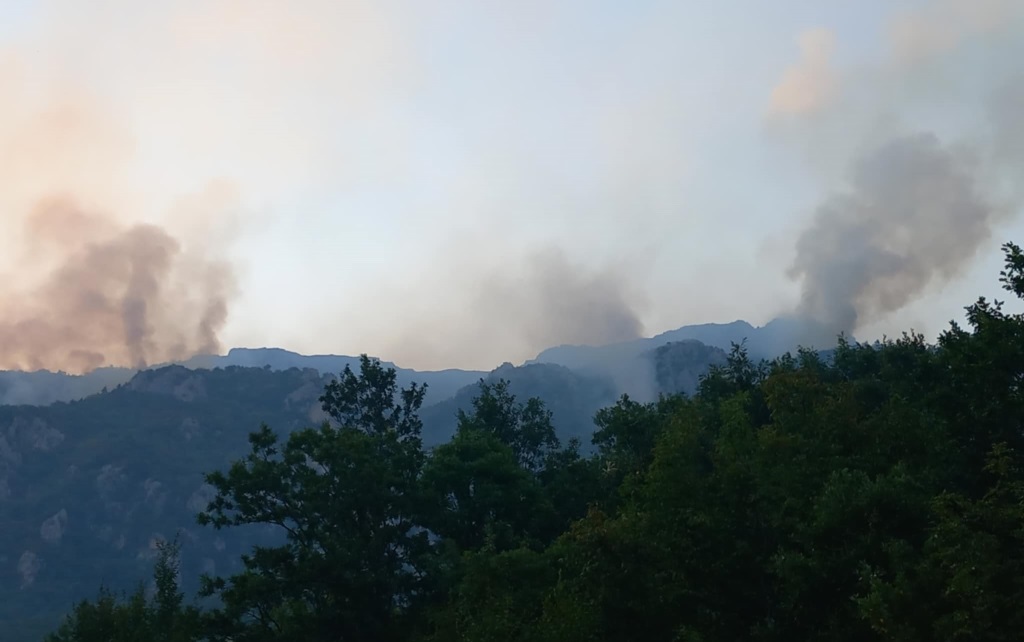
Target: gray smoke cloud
{"x":916,"y":212}
{"x":519,"y":306}
{"x":919,"y":202}
{"x":555,"y":302}
{"x":1005,"y":113}
{"x":115,"y":296}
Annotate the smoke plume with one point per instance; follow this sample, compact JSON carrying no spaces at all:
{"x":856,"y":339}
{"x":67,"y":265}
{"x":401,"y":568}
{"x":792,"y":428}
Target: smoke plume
{"x":116,"y":296}
{"x":919,"y":204}
{"x":519,"y":306}
{"x":117,"y":201}
{"x":86,"y":279}
{"x":555,"y":302}
{"x":915,"y":212}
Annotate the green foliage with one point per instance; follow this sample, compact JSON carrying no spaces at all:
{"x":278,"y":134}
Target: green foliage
{"x":372,"y":403}
{"x":345,"y":496}
{"x":525,"y":428}
{"x":134,"y":618}
{"x":626,"y":434}
{"x":477,"y":493}
{"x":874,"y":493}
{"x":498,"y":597}
{"x":125,"y":469}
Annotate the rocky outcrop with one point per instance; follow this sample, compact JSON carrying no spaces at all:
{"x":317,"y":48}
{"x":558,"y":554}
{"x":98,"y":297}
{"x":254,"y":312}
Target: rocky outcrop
{"x":109,"y":480}
{"x":189,"y":428}
{"x":34,"y":434}
{"x":22,"y":436}
{"x":28,"y":567}
{"x":52,"y":529}
{"x":679,"y":366}
{"x":8,"y":455}
{"x":156,"y":495}
{"x":176,"y":381}
{"x":88,"y":484}
{"x":191,"y":389}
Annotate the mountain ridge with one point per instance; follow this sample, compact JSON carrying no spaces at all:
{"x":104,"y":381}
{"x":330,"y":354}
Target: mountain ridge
{"x":778,"y":336}
{"x":87,"y":485}
{"x":43,"y":387}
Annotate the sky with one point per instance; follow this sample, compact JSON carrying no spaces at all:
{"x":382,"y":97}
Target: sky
{"x":459,"y":184}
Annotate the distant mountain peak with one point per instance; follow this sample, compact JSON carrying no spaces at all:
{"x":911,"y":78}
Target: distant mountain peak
{"x":778,"y":336}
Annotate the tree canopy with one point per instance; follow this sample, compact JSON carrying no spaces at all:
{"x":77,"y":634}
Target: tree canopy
{"x":875,"y":492}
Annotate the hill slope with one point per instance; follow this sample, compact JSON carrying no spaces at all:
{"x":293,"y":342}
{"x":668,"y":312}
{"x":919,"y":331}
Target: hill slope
{"x":765,"y":342}
{"x":778,"y":336}
{"x":86,"y":487}
{"x":44,"y":387}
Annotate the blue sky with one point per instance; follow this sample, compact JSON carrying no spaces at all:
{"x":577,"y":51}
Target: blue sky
{"x":395,"y":167}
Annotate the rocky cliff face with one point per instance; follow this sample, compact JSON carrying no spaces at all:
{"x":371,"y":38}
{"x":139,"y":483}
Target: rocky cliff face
{"x":88,"y":488}
{"x":21,"y":437}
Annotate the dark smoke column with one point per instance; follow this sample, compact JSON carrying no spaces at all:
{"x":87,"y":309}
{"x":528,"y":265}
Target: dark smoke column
{"x":915,"y":214}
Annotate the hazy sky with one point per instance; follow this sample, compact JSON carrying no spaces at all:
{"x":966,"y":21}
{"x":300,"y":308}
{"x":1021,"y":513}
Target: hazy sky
{"x":456,"y":184}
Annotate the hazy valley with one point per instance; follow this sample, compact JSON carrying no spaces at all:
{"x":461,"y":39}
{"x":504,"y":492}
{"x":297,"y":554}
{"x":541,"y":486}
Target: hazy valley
{"x":90,"y":480}
{"x":504,"y":205}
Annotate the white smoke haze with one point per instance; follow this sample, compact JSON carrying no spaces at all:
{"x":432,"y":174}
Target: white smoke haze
{"x":812,"y":83}
{"x":475,"y":213}
{"x":238,"y":94}
{"x":115,"y":296}
{"x":88,"y":281}
{"x":940,"y":26}
{"x":114,"y":241}
{"x":541,"y":299}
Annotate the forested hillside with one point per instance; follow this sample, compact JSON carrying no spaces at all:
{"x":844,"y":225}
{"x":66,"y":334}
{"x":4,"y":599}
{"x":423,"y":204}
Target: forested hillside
{"x":876,"y":495}
{"x":41,"y":387}
{"x":88,"y":488}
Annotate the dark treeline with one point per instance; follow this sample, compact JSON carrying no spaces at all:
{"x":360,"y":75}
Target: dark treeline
{"x":876,"y":494}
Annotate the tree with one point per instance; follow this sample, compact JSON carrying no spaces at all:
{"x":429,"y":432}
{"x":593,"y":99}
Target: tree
{"x":134,"y":618}
{"x":478,"y":493}
{"x":625,"y":436}
{"x":504,"y":478}
{"x":872,"y":493}
{"x":344,"y":497}
{"x":498,"y":596}
{"x":525,"y":428}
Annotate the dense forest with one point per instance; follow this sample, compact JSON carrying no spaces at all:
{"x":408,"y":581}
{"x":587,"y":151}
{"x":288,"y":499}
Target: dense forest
{"x":89,"y":488}
{"x":873,"y":493}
